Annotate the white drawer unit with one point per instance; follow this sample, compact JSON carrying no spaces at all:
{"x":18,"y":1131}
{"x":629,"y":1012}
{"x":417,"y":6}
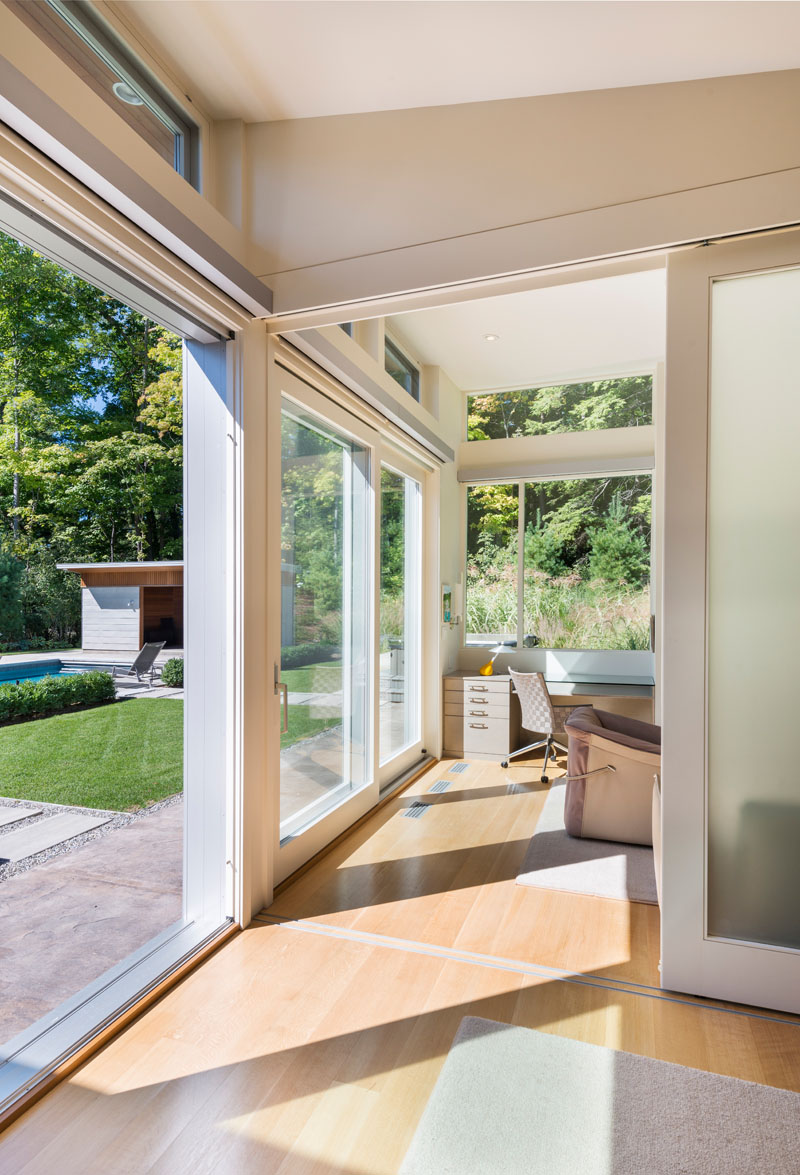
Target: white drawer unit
{"x":481,"y":716}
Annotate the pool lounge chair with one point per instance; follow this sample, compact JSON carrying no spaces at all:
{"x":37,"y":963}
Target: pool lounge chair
{"x":144,"y":667}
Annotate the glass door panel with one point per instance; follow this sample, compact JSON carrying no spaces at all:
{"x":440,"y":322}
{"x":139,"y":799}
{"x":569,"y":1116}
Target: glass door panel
{"x":399,"y":614}
{"x":326,"y":520}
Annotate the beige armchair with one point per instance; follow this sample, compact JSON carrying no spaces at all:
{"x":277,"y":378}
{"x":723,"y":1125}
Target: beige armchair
{"x":610,"y":767}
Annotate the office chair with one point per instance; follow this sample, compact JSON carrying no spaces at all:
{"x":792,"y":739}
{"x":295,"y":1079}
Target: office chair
{"x":539,"y":715}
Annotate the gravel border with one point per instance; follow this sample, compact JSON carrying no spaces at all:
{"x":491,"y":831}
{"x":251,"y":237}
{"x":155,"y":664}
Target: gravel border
{"x":116,"y":820}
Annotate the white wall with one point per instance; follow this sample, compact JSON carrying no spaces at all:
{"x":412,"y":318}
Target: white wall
{"x":110,"y":618}
{"x":452,"y":422}
{"x":362,"y":205}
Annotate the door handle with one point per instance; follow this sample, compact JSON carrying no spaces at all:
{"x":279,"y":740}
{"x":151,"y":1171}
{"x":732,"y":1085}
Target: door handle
{"x":282,"y":687}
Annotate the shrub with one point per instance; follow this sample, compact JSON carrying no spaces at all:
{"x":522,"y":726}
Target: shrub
{"x":293,"y":656}
{"x":172,"y":673}
{"x":48,"y":695}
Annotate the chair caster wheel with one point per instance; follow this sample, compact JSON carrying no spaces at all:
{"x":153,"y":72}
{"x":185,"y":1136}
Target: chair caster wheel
{"x":544,"y":779}
{"x":504,"y":764}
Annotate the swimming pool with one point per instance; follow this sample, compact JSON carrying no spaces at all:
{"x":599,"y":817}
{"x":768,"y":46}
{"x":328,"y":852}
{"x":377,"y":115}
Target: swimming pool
{"x":35,"y":670}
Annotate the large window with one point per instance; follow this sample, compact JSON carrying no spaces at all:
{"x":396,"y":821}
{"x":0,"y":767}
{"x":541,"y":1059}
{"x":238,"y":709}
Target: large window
{"x":578,"y":407}
{"x":584,"y":565}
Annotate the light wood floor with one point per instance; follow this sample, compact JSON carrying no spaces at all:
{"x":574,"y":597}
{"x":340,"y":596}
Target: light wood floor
{"x":311,"y":1041}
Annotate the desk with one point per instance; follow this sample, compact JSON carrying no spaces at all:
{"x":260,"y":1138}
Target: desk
{"x":482,"y":714}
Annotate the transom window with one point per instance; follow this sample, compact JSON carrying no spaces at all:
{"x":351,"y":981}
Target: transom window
{"x":401,"y":368}
{"x":92,"y":50}
{"x":577,"y":407}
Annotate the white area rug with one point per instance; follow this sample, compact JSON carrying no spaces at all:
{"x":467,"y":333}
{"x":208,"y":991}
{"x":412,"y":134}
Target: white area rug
{"x":511,"y":1101}
{"x":601,"y":868}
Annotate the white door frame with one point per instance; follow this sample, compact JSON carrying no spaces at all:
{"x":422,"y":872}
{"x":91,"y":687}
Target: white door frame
{"x":319,"y":393}
{"x":692,"y":960}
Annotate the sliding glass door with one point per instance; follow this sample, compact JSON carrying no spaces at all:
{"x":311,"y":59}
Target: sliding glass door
{"x":344,"y":509}
{"x":326,"y":595}
{"x":400,"y":616}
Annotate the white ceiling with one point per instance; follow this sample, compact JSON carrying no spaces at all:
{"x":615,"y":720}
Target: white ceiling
{"x":583,"y":330}
{"x":262,"y":60}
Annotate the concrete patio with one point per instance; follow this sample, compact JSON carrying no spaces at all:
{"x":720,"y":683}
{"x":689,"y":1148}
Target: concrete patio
{"x":67,"y":921}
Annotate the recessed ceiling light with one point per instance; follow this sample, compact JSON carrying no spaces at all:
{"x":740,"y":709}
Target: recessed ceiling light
{"x":491,"y":338}
{"x":127,"y":94}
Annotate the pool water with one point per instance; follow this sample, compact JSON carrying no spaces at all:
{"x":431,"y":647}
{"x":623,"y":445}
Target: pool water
{"x":36,"y":670}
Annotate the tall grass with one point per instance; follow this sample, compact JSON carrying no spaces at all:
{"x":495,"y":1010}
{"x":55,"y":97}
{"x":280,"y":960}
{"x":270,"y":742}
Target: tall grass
{"x":561,"y":613}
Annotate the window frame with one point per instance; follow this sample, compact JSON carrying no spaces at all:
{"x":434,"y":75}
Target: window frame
{"x":520,"y":484}
{"x":111,"y":49}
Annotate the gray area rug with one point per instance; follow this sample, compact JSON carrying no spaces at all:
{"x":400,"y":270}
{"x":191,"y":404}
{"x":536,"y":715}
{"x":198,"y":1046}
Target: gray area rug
{"x":601,"y":868}
{"x":512,"y":1101}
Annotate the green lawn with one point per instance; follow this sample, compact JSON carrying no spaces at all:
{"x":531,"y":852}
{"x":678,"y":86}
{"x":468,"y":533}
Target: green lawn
{"x":121,"y":757}
{"x":314,"y":679}
{"x":325,"y":678}
{"x":302,"y":725}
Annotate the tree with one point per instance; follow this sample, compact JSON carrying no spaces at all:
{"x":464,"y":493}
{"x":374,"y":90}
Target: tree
{"x":91,"y":422}
{"x":10,"y":597}
{"x":605,"y":403}
{"x":618,"y":554}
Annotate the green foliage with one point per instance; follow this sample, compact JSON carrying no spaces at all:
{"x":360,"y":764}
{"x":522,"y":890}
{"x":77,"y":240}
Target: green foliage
{"x":293,"y":656}
{"x":605,"y":403}
{"x":544,"y":548}
{"x":90,"y":434}
{"x":586,"y":563}
{"x":48,"y":695}
{"x":51,"y":601}
{"x":11,"y":571}
{"x":618,"y":554}
{"x":312,"y":531}
{"x":116,"y":758}
{"x":172,"y":673}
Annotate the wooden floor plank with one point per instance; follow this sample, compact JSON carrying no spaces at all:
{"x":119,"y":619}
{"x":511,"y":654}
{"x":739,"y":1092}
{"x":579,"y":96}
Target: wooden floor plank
{"x":300,"y":1047}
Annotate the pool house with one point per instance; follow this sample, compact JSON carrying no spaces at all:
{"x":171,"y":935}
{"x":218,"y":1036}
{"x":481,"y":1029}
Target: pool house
{"x":123,"y":605}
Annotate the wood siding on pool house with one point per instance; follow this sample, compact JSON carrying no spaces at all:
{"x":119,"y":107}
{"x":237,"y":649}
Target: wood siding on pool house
{"x":147,"y":577}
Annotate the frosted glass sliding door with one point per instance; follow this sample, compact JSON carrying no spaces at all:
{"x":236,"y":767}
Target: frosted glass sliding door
{"x":753,"y":635}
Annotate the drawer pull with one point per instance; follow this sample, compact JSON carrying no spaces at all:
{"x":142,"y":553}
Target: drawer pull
{"x":479,"y":713}
{"x":484,"y":689}
{"x":479,"y":725}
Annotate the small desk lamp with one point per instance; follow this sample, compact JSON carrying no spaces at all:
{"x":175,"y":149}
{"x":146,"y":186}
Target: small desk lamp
{"x":487,"y":670}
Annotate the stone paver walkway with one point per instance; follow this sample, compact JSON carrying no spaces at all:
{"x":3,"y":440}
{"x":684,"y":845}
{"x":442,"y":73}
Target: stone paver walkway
{"x":66,"y":922}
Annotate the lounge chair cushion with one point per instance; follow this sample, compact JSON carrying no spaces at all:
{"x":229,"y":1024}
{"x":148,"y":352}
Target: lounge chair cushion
{"x":612,"y":805}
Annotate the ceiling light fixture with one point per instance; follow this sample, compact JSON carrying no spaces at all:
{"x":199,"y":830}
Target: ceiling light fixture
{"x":127,"y":94}
{"x":491,"y":338}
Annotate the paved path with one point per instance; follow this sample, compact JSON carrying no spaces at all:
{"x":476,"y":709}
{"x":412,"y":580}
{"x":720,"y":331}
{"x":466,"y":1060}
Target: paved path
{"x":66,"y":922}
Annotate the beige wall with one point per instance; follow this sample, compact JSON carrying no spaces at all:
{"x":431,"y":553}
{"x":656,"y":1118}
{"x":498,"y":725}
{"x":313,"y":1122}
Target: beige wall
{"x":539,"y":179}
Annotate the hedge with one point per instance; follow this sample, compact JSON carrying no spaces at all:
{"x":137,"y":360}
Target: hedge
{"x":48,"y":695}
{"x":172,"y":673}
{"x":293,"y":656}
